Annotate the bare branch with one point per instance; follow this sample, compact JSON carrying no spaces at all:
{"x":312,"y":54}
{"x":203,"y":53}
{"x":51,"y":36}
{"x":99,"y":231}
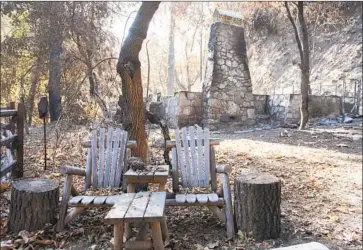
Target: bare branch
{"x":295,"y":31}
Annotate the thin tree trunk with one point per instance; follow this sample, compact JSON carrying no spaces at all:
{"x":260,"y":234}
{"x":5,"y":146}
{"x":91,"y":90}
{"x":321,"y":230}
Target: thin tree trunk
{"x":303,"y":47}
{"x":171,"y":53}
{"x":33,"y":87}
{"x":129,"y":69}
{"x":54,"y":80}
{"x":305,"y":68}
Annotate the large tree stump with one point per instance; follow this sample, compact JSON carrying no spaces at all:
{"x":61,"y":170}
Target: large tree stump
{"x":34,"y":203}
{"x":257,"y":198}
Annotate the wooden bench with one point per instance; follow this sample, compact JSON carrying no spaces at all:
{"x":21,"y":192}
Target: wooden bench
{"x":158,"y":175}
{"x":146,"y":208}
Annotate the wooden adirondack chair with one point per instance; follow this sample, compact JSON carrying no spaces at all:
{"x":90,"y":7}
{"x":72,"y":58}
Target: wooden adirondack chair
{"x":106,"y":159}
{"x":193,"y":159}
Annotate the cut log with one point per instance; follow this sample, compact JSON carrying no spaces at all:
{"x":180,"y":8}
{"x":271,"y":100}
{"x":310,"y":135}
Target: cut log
{"x":257,"y":205}
{"x":34,"y":203}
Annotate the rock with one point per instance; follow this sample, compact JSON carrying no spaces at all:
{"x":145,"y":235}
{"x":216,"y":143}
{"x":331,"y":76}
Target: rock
{"x":136,"y":163}
{"x":357,"y":137}
{"x":307,"y":246}
{"x":347,"y":119}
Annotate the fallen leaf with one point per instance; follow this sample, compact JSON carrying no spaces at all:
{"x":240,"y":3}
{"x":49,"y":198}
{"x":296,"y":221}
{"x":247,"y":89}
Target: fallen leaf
{"x":4,"y":186}
{"x":213,"y":245}
{"x":4,"y":245}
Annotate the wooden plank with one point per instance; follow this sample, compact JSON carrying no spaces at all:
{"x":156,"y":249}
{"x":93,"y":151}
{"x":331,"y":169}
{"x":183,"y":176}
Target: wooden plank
{"x":108,"y":157}
{"x":101,"y":168}
{"x":187,"y":159}
{"x":194,"y":165}
{"x":228,"y":204}
{"x":157,"y":236}
{"x":6,"y":141}
{"x":114,"y":157}
{"x":155,"y":208}
{"x":64,"y":203}
{"x":212,"y":141}
{"x":99,"y":200}
{"x":94,"y":159}
{"x":6,"y":169}
{"x":162,"y":171}
{"x":87,"y":200}
{"x":202,"y":198}
{"x":212,"y":197}
{"x":200,"y":157}
{"x":113,"y":199}
{"x":206,"y":157}
{"x":118,"y":233}
{"x":7,"y":112}
{"x":136,"y":211}
{"x":212,"y":164}
{"x":76,"y":200}
{"x":181,"y":165}
{"x":191,"y":198}
{"x":88,"y":178}
{"x":87,"y":144}
{"x":173,"y":202}
{"x":120,"y":208}
{"x":121,"y":161}
{"x":175,"y":174}
{"x":180,"y":198}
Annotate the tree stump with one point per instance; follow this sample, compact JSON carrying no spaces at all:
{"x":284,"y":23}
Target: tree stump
{"x":257,"y":198}
{"x":34,"y":203}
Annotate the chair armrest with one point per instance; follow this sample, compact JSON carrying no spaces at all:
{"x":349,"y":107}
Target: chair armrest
{"x":72,"y":170}
{"x":223,"y":169}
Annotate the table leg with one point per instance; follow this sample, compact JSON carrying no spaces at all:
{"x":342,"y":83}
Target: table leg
{"x":118,"y":236}
{"x":162,"y":186}
{"x":164,"y":230}
{"x":130,"y":188}
{"x":156,"y":235}
{"x":127,"y":232}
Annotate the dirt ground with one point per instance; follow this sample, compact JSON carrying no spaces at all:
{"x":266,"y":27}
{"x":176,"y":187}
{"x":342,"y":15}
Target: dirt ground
{"x":320,"y":170}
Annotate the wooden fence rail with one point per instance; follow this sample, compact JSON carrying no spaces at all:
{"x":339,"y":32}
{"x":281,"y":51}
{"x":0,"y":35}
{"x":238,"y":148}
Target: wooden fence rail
{"x":15,"y":140}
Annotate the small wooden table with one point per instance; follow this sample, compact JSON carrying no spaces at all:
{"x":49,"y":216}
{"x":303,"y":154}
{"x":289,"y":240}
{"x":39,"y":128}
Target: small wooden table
{"x":146,"y":207}
{"x":159,"y":174}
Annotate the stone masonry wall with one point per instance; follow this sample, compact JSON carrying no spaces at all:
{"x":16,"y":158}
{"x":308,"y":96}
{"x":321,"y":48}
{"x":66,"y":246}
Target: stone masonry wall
{"x":227,"y":91}
{"x":189,"y":108}
{"x":319,"y":106}
{"x":261,"y":104}
{"x":183,"y":109}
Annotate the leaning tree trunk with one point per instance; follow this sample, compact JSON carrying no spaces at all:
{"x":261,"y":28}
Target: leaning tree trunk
{"x":129,"y":69}
{"x":34,"y":203}
{"x":257,"y":199}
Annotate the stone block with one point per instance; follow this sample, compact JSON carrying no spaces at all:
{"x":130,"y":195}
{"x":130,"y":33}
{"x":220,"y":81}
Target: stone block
{"x":251,"y":113}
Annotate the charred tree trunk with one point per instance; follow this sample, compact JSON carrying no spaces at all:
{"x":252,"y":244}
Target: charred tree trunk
{"x":257,"y":199}
{"x":33,"y":87}
{"x":34,"y":203}
{"x":129,"y":69}
{"x":54,"y":81}
{"x":303,"y":46}
{"x":154,"y":119}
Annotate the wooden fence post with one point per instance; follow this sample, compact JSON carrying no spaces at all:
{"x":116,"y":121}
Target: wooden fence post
{"x":18,"y":171}
{"x":11,"y":118}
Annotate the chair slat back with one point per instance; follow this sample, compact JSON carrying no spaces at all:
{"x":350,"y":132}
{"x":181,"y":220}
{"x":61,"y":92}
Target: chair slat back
{"x":192,"y":147}
{"x":107,"y":157}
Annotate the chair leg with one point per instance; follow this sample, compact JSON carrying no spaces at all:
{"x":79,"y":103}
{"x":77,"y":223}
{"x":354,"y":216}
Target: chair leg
{"x":228,"y":206}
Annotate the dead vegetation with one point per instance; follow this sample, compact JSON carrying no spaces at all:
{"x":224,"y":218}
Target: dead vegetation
{"x":321,"y":190}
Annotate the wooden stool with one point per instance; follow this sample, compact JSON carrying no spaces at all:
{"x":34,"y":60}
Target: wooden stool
{"x":159,"y":175}
{"x":146,"y":208}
